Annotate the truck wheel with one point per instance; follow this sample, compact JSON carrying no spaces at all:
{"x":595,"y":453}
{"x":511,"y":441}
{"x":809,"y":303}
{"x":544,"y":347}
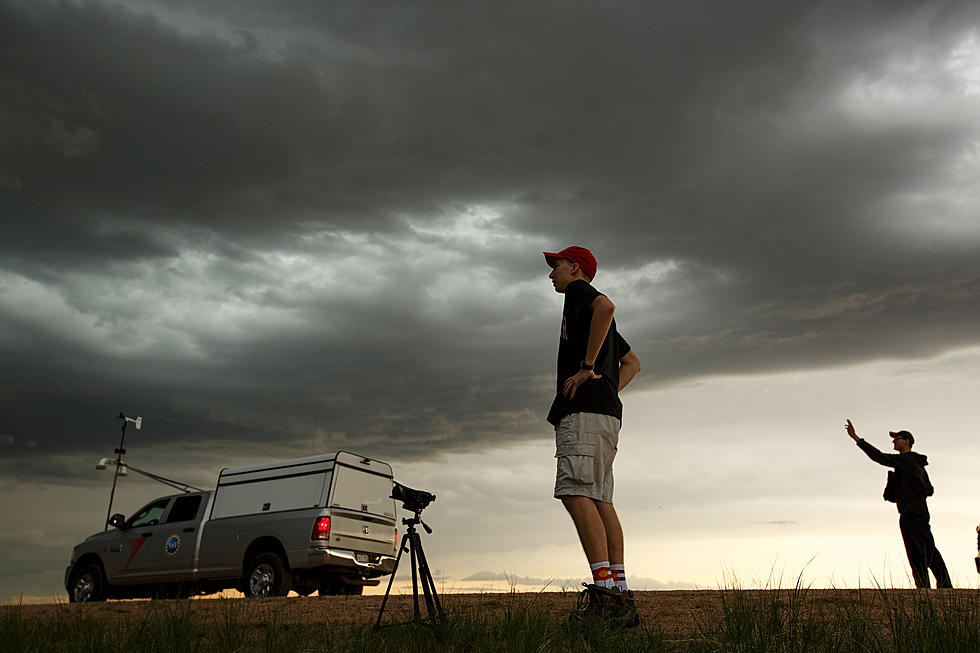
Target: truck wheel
{"x":87,"y":584}
{"x":266,"y":575}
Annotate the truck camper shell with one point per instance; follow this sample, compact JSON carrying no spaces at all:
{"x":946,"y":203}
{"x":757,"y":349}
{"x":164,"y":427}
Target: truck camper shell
{"x":338,"y":480}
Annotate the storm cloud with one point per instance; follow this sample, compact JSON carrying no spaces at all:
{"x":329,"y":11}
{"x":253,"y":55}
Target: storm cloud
{"x":236,"y":218}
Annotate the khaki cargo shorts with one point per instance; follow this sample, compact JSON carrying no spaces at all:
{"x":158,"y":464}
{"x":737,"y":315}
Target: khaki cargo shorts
{"x":585,"y":446}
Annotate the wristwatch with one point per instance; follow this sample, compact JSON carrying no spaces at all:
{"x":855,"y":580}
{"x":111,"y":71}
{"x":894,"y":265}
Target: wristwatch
{"x":586,"y":366}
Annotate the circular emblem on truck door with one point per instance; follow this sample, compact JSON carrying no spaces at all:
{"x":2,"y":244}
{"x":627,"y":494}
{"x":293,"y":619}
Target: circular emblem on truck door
{"x":172,"y":545}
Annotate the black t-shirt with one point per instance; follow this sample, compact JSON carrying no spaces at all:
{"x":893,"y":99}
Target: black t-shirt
{"x":595,"y":395}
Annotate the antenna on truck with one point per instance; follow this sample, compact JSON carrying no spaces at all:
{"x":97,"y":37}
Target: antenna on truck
{"x":316,"y":420}
{"x":122,"y":469}
{"x":138,"y":423}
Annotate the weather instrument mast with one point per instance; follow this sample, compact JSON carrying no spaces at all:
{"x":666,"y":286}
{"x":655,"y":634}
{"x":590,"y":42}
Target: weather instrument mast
{"x":138,"y":423}
{"x":122,"y":468}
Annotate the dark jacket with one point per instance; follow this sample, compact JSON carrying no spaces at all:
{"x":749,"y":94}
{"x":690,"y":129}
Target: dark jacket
{"x":908,"y":486}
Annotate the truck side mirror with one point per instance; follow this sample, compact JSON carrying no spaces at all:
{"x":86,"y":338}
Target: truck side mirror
{"x":118,"y":520}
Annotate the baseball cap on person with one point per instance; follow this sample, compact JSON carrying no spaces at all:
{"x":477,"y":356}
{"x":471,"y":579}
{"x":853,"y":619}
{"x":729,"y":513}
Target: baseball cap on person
{"x":575,"y":254}
{"x":902,"y":434}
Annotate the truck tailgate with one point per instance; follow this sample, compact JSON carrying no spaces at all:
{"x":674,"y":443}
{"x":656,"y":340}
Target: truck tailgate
{"x":361,"y":533}
{"x":362,"y":512}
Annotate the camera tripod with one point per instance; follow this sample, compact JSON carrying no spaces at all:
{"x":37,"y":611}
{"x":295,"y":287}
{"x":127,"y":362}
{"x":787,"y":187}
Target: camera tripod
{"x":420,"y":570}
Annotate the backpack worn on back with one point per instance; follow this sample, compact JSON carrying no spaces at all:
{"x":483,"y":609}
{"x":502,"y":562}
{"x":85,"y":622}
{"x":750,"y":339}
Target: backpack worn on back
{"x":923,"y":477}
{"x":920,"y":482}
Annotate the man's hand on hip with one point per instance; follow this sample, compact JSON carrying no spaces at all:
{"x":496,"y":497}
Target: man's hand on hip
{"x":573,"y":382}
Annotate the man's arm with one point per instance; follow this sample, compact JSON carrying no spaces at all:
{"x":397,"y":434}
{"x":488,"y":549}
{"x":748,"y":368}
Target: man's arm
{"x":888,"y":460}
{"x":602,"y":317}
{"x":629,"y":366}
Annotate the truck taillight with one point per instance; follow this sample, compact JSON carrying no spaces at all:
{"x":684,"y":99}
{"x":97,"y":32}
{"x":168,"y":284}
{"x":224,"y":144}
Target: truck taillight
{"x":321,"y":529}
{"x":396,"y":540}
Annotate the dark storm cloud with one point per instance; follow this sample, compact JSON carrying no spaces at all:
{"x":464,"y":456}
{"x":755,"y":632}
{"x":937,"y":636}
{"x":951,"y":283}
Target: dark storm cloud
{"x":254,"y":223}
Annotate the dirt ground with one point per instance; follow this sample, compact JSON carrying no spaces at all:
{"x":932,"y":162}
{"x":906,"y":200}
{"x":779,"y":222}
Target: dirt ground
{"x":676,"y":612}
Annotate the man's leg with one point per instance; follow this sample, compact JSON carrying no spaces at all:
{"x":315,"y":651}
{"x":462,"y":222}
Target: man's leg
{"x":938,"y":567}
{"x":614,"y":542}
{"x":625,"y":615}
{"x":592,"y":535}
{"x":613,"y":531}
{"x":579,"y":478}
{"x":608,"y":429}
{"x":934,"y":559}
{"x":590,"y":527}
{"x":912,"y":534}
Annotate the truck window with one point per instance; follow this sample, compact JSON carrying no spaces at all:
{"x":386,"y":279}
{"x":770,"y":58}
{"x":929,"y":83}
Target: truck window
{"x":184,"y":509}
{"x":359,"y":490}
{"x":257,"y":495}
{"x":149,"y":514}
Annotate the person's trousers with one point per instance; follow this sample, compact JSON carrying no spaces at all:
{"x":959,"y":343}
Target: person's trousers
{"x":921,"y":550}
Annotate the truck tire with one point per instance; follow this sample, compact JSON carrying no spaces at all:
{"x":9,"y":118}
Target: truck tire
{"x":266,"y":575}
{"x":88,"y":584}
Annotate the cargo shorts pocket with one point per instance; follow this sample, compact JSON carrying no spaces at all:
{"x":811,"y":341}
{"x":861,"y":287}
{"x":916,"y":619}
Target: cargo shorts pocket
{"x":576,"y":461}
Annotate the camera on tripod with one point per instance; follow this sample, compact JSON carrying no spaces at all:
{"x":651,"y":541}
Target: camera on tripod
{"x":413,"y":500}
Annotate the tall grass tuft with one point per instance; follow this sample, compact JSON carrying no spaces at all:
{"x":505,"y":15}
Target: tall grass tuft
{"x":934,"y":620}
{"x":767,"y":620}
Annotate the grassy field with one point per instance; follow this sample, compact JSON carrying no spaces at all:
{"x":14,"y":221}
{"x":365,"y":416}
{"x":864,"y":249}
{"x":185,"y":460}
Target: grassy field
{"x":736,"y":620}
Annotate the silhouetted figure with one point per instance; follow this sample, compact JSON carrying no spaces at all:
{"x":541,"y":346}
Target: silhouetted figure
{"x":908,"y":486}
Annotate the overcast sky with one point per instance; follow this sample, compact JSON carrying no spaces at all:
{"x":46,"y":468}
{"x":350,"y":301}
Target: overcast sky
{"x":318,"y":225}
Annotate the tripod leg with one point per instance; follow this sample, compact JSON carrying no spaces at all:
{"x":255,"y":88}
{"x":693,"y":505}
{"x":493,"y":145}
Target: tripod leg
{"x":428,"y":585}
{"x":390,"y":581}
{"x":412,"y":542}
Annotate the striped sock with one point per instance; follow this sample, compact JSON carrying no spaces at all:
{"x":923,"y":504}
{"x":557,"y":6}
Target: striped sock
{"x":619,"y":576}
{"x":602,"y":575}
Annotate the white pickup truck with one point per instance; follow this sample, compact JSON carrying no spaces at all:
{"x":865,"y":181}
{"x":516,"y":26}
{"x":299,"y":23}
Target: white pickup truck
{"x":322,"y":523}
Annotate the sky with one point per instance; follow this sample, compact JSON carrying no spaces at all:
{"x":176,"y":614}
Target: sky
{"x":276,"y":229}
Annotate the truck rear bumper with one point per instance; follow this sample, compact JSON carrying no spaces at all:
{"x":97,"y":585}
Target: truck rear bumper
{"x":371,"y":564}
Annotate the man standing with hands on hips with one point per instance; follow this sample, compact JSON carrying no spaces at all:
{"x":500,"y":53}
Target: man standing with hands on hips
{"x":907,"y":487}
{"x":594,"y":364}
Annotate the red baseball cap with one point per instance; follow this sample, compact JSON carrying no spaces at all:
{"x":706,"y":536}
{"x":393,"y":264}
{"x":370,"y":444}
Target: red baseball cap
{"x":575,"y":254}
